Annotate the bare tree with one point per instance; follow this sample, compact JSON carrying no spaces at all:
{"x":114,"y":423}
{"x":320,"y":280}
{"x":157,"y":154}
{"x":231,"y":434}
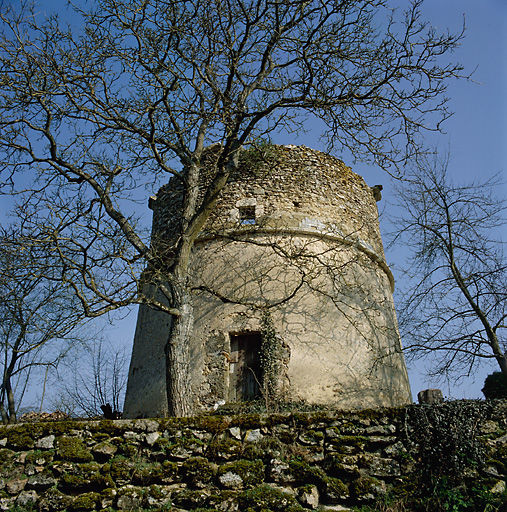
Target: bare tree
{"x":96,"y":377}
{"x":454,"y":306}
{"x":39,"y":320}
{"x":136,"y":94}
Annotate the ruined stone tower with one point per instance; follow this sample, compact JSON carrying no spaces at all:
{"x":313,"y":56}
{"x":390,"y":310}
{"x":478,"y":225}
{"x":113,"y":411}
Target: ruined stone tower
{"x":293,"y":297}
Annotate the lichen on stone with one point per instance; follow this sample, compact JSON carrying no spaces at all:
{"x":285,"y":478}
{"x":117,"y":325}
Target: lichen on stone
{"x":250,"y":472}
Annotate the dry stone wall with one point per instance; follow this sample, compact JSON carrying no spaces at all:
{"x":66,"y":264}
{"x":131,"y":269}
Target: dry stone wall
{"x":277,"y":462}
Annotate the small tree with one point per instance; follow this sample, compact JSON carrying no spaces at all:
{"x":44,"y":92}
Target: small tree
{"x":38,"y":320}
{"x":97,"y":376}
{"x":454,"y":305}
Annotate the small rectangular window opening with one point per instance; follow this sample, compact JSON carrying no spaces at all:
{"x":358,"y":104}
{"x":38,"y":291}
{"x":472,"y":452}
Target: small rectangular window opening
{"x":247,"y":215}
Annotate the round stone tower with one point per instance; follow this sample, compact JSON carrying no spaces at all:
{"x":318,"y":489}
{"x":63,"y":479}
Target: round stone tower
{"x":292,"y":294}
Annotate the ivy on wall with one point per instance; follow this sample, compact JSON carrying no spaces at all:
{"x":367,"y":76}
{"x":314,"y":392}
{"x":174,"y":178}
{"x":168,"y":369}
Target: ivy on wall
{"x":270,"y":359}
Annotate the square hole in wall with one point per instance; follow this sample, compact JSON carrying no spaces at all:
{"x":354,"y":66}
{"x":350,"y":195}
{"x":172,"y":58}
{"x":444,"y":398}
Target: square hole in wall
{"x":247,"y":215}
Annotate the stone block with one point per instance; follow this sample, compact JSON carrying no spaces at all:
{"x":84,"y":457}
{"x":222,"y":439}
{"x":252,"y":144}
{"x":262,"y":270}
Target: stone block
{"x":430,"y":396}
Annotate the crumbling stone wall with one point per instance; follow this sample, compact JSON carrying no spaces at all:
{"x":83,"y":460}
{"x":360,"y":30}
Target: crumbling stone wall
{"x":290,"y":183}
{"x":278,"y":462}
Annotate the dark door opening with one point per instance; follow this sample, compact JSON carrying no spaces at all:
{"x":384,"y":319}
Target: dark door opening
{"x":245,"y":366}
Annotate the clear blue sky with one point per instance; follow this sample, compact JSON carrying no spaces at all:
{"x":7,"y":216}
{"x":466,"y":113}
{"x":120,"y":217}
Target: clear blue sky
{"x":476,"y":134}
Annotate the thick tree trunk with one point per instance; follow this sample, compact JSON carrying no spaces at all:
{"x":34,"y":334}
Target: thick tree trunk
{"x":180,"y":398}
{"x":179,"y":389}
{"x":502,"y":362}
{"x":5,"y":418}
{"x":9,"y":415}
{"x":11,"y":404}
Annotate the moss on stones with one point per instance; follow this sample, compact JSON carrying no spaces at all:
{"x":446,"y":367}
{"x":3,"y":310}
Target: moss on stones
{"x":312,"y":437}
{"x":54,"y":500}
{"x":120,"y":469}
{"x":147,"y":473}
{"x":39,"y":457}
{"x":85,"y":502}
{"x":287,"y":436}
{"x":349,"y":444}
{"x":6,"y":454}
{"x":334,"y":489}
{"x":364,"y":486}
{"x":131,"y":498}
{"x":305,"y":474}
{"x":223,"y":500}
{"x":252,"y":451}
{"x":104,"y":450}
{"x":73,"y":449}
{"x":247,"y":421}
{"x":224,"y":449}
{"x":161,"y":444}
{"x":212,"y":424}
{"x":155,"y":468}
{"x":110,"y":427}
{"x":331,"y":487}
{"x":169,"y":471}
{"x":127,"y":449}
{"x":334,"y":466}
{"x":84,"y":477}
{"x":190,"y":499}
{"x":197,"y":471}
{"x":20,"y":439}
{"x":265,"y":497}
{"x":184,"y":446}
{"x":251,"y":472}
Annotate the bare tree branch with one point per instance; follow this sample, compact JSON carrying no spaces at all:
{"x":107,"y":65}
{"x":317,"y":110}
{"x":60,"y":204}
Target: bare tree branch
{"x":455,"y":304}
{"x":91,"y":117}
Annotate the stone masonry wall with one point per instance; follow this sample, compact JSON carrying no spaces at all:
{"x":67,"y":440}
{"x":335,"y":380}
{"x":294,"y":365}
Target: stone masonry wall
{"x":277,"y":462}
{"x":294,"y":233}
{"x":291,"y":183}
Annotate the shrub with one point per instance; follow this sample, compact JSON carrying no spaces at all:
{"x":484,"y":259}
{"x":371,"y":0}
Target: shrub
{"x":495,"y":386}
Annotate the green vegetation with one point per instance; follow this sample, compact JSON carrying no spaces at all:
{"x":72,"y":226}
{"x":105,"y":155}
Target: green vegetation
{"x":251,"y":472}
{"x":271,"y":363}
{"x":197,"y":471}
{"x":258,"y":155}
{"x":452,"y":456}
{"x":264,"y":497}
{"x":85,"y":502}
{"x":495,"y":386}
{"x":21,"y":439}
{"x":73,"y":449}
{"x":445,"y":498}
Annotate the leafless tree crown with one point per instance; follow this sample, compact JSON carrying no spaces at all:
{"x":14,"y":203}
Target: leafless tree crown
{"x":129,"y":94}
{"x":455,"y":308}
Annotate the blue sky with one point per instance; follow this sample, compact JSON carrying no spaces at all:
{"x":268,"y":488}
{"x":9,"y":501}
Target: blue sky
{"x":476,"y":135}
